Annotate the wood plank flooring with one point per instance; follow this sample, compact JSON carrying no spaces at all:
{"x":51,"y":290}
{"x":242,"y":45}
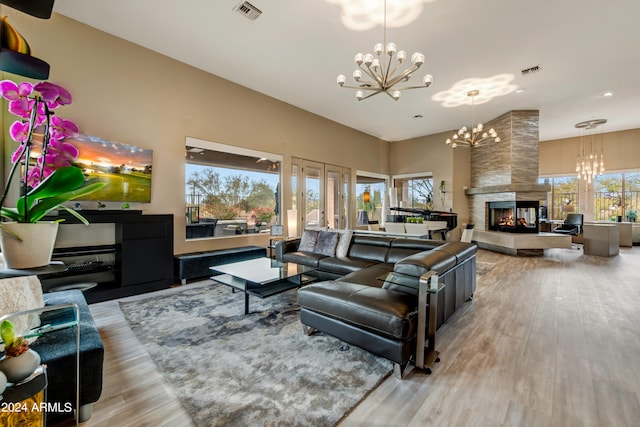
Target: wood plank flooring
{"x":547,"y":341}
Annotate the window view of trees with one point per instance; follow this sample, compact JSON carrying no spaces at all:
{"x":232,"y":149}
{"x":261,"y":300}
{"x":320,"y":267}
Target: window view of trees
{"x":234,"y":198}
{"x":617,"y":195}
{"x":415,"y":192}
{"x":614,"y":195}
{"x":564,"y":196}
{"x":231,"y":196}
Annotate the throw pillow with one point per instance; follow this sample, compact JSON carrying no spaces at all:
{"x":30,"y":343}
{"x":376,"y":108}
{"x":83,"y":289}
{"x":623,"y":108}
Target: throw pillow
{"x":20,"y":294}
{"x":308,"y":241}
{"x":327,"y":242}
{"x":343,"y":244}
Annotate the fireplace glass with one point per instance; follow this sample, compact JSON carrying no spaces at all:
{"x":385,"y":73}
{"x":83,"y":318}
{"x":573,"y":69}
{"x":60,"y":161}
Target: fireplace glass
{"x":514,"y":217}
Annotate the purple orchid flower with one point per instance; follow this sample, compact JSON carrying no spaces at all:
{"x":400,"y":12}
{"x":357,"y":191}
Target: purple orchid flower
{"x":60,"y":154}
{"x":15,"y":92}
{"x":19,"y":131}
{"x":53,"y":94}
{"x":33,"y":176}
{"x":61,"y":128}
{"x":18,"y":155}
{"x":22,"y":108}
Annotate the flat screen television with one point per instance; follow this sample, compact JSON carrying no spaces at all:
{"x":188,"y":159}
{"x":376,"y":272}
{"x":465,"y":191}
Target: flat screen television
{"x":125,"y":168}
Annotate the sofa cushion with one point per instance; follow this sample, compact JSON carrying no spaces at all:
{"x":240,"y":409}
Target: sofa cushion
{"x":370,"y":247}
{"x":308,"y":241}
{"x":326,"y":243}
{"x":371,"y":276}
{"x":344,"y":243}
{"x":343,"y":265}
{"x":303,"y":258}
{"x":418,"y":264}
{"x":387,"y":313}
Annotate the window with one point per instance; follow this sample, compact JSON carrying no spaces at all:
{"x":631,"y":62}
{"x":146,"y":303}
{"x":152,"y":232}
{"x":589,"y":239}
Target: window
{"x":370,"y":197}
{"x":631,"y":195}
{"x":563,"y":196}
{"x":414,"y":191}
{"x":616,"y":195}
{"x":230,"y":190}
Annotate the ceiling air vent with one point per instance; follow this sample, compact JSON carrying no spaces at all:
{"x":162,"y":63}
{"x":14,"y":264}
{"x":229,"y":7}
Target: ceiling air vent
{"x":248,"y":10}
{"x":531,"y":70}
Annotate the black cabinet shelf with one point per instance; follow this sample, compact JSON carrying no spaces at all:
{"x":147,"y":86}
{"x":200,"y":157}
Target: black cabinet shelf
{"x":141,"y":260}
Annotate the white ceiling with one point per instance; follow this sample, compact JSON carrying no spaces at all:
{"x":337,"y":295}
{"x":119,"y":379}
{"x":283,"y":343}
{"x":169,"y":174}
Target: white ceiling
{"x":295,"y":50}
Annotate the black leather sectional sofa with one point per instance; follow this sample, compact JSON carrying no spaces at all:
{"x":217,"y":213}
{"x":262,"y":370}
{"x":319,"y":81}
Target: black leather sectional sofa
{"x":358,"y":301}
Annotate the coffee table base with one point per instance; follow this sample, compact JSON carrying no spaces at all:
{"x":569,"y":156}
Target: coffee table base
{"x":258,"y":290}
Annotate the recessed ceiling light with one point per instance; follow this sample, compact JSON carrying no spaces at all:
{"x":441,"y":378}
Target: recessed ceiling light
{"x":607,"y":94}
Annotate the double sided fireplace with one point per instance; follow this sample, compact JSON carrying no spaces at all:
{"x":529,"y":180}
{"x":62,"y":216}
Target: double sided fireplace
{"x":513,"y":217}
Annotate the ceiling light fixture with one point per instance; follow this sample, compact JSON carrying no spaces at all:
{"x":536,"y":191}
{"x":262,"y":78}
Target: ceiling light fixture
{"x":590,"y":157}
{"x":384,"y":77}
{"x":476,"y":136}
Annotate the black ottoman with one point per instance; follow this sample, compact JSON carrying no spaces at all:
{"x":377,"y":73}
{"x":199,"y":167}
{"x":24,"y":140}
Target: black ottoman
{"x":58,"y":351}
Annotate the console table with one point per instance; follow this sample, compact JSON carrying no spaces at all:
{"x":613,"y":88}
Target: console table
{"x":141,"y":249}
{"x":601,"y":239}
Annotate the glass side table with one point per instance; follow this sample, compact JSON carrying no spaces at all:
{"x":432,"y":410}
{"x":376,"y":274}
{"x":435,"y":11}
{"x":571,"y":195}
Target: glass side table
{"x":52,"y":318}
{"x":428,"y":287}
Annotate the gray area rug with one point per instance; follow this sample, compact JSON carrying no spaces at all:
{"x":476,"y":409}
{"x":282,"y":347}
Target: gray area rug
{"x":260,"y":369}
{"x":483,"y":267}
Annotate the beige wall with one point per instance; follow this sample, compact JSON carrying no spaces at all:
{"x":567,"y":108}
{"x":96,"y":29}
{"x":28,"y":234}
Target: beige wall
{"x":130,"y":94}
{"x":621,"y":152}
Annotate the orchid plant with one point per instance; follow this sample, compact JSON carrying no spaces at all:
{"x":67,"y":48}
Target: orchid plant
{"x":14,"y":344}
{"x":52,"y":179}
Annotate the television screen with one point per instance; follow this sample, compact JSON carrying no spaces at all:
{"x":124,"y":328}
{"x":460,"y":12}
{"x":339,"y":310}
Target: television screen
{"x":125,"y":168}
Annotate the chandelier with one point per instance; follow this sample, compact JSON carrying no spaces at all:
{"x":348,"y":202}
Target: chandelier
{"x":476,"y":136}
{"x":590,"y":157}
{"x":379,"y":72}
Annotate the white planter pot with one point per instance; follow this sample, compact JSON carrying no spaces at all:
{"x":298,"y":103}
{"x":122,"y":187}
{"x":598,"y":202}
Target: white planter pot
{"x":36,"y":246}
{"x":18,"y":368}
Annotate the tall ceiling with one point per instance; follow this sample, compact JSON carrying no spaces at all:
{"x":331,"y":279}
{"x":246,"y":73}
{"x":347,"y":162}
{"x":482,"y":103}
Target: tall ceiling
{"x":296,"y":48}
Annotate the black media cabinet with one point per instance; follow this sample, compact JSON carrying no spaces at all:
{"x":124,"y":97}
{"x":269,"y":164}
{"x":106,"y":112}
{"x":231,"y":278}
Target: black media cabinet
{"x":142,"y":254}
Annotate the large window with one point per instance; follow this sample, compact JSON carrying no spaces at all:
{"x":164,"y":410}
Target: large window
{"x":414,"y":191}
{"x":563,"y":198}
{"x":616,"y":195}
{"x":229,"y":190}
{"x":608,"y":197}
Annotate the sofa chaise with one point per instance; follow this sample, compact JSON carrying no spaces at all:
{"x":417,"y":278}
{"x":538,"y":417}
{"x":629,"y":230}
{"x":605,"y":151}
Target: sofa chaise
{"x":369,"y":288}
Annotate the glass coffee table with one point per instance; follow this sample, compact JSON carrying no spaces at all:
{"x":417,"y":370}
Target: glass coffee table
{"x":261,"y":277}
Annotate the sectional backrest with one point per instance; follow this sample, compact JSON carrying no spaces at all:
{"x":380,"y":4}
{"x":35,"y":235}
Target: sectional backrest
{"x":388,"y":249}
{"x":374,"y":248}
{"x":402,"y":248}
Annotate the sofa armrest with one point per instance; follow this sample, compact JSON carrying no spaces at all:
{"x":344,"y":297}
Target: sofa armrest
{"x":428,"y":284}
{"x":284,"y":246}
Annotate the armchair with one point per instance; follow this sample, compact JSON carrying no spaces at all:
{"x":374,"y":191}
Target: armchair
{"x":572,"y":225}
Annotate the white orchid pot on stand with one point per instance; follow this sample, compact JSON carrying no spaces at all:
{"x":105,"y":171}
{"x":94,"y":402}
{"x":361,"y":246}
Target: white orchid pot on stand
{"x":27,"y":245}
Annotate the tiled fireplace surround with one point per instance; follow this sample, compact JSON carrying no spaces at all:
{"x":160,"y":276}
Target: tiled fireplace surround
{"x":507,"y":171}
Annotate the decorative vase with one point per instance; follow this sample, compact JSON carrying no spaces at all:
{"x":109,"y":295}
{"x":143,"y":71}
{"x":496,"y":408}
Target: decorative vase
{"x":18,"y":368}
{"x":3,"y":383}
{"x":35,"y":248}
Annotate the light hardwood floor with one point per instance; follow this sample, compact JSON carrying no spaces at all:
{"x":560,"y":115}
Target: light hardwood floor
{"x":547,"y":341}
